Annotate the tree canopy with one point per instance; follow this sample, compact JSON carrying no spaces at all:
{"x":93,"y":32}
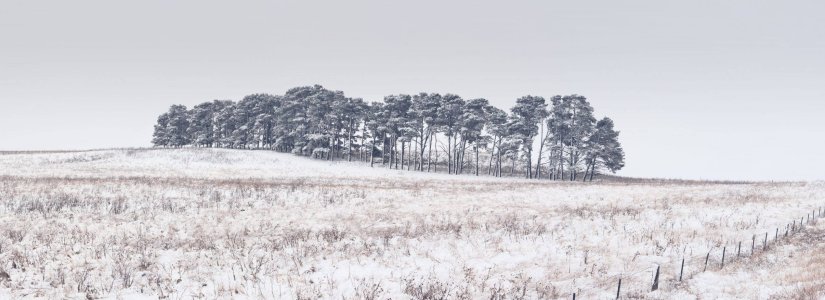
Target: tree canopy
{"x":325,"y":124}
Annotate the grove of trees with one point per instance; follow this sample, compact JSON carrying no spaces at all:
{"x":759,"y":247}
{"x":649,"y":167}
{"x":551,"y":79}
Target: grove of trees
{"x":426,"y":132}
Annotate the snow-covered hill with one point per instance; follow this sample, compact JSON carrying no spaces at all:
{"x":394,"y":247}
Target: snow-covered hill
{"x":211,"y":223}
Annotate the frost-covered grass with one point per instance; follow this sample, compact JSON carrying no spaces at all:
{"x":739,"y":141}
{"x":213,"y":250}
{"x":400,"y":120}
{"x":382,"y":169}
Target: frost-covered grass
{"x":208,"y":223}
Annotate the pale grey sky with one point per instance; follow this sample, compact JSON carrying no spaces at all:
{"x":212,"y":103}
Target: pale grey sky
{"x":699,"y":89}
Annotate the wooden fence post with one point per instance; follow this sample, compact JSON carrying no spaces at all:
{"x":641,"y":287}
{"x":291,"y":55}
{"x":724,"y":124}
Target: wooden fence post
{"x":706,"y":261}
{"x":656,"y":279}
{"x":619,"y":290}
{"x":739,"y":249}
{"x":682,"y":269}
{"x":753,"y":244}
{"x":765,"y":242}
{"x":574,"y":296}
{"x":776,"y":237}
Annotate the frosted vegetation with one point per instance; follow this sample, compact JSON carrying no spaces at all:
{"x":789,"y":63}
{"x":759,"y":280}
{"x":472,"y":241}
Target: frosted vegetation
{"x":236,"y":224}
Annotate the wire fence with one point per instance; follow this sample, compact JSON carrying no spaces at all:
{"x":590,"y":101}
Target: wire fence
{"x":637,"y":283}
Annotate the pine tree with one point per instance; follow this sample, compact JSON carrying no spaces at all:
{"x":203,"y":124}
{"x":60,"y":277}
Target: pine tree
{"x":449,"y":118}
{"x":351,"y":113}
{"x":160,"y":137}
{"x":526,"y":115}
{"x":262,"y":119}
{"x":294,"y":126}
{"x":396,"y":112}
{"x":203,"y":125}
{"x":582,"y":125}
{"x":604,"y":150}
{"x":473,"y":119}
{"x":499,"y":129}
{"x":224,"y":124}
{"x":373,"y":120}
{"x":424,"y":120}
{"x":177,"y":126}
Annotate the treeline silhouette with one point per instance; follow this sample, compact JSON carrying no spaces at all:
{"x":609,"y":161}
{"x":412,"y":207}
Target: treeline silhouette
{"x":422,"y":132}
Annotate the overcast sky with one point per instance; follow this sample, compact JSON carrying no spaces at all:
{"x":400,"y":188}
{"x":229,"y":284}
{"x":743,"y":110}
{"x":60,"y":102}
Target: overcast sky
{"x":698,"y":89}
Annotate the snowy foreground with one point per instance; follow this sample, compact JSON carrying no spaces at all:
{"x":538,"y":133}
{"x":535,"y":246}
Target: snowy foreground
{"x":206,"y":224}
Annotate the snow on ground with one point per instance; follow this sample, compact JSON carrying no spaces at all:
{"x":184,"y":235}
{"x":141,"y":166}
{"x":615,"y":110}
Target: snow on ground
{"x":211,"y":223}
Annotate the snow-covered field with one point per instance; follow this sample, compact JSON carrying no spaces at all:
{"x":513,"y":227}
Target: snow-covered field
{"x":232,"y":224}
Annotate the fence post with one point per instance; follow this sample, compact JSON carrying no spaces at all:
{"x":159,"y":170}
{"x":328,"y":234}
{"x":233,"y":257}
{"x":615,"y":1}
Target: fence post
{"x":753,"y":244}
{"x":739,"y":249}
{"x":619,"y":290}
{"x":776,"y":237}
{"x":656,"y":279}
{"x":682,"y":269}
{"x":723,"y":257}
{"x":574,"y":296}
{"x":765,"y":242}
{"x":706,"y":261}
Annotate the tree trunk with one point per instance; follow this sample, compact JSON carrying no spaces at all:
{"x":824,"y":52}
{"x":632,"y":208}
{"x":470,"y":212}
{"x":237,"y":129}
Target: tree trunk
{"x":349,"y":142}
{"x":414,"y":154}
{"x":561,"y":161}
{"x":455,"y":154}
{"x":476,"y":147}
{"x":592,"y":171}
{"x":430,"y":154}
{"x":435,"y":166}
{"x":513,"y":167}
{"x":498,"y":162}
{"x":384,"y":151}
{"x":541,"y":149}
{"x":372,"y":147}
{"x":571,"y":166}
{"x":394,"y":154}
{"x":449,"y":155}
{"x":490,"y":164}
{"x":361,"y":148}
{"x":413,"y":159}
{"x":461,"y":157}
{"x":390,"y":148}
{"x":425,"y":137}
{"x":529,"y":163}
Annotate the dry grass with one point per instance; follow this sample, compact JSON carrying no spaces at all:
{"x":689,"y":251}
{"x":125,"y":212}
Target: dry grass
{"x":366,"y":237}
